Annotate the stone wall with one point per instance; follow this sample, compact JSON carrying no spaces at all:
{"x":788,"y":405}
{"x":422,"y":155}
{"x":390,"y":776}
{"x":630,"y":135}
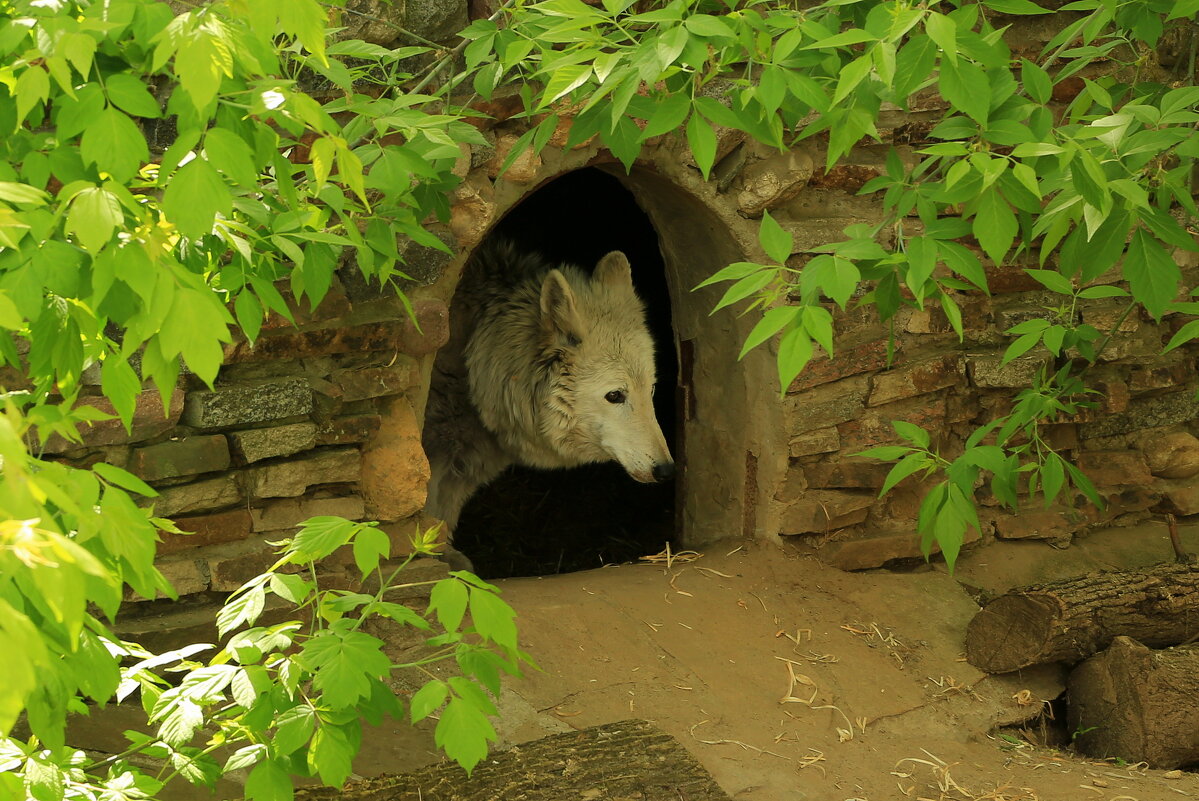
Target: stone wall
{"x":325,"y":417}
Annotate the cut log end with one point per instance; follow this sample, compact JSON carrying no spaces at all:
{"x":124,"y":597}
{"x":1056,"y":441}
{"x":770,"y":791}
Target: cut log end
{"x":1010,"y":633}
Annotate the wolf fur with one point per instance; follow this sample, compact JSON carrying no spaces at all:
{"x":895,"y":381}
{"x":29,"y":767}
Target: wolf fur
{"x":546,"y":367}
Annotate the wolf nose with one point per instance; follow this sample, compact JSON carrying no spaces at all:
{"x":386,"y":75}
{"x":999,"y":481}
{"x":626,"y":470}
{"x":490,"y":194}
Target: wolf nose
{"x":663,"y":471}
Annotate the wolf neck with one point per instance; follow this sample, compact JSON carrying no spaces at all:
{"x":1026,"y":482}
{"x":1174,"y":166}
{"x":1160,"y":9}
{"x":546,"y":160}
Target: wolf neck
{"x":521,"y":385}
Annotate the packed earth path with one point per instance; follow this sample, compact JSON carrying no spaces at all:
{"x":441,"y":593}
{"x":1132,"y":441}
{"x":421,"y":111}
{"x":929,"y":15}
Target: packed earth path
{"x":793,"y":681}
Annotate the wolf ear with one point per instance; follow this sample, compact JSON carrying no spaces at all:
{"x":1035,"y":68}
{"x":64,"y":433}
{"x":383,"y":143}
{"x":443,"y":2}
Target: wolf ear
{"x":614,"y":269}
{"x":559,"y":311}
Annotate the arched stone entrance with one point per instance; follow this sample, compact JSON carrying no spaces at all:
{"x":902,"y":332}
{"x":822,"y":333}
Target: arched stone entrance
{"x":729,"y":439}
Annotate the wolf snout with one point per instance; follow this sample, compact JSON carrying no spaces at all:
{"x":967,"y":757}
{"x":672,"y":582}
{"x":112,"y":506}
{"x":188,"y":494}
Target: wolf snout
{"x":663,"y":470}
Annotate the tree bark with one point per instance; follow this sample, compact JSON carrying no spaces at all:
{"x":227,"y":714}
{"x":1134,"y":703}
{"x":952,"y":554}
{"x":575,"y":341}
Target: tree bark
{"x":1137,"y":704}
{"x":1067,"y":621}
{"x":614,"y":762}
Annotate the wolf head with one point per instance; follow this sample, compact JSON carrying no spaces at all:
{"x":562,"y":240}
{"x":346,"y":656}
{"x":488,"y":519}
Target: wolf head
{"x":601,"y":370}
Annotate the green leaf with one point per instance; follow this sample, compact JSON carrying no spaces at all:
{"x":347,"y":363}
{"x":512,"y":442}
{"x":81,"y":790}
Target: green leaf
{"x":910,"y":464}
{"x":205,"y":57}
{"x":708,"y":25}
{"x":733,"y":272}
{"x":293,"y":728}
{"x":776,"y":241}
{"x":193,"y":198}
{"x":744,"y":288}
{"x":231,"y":155}
{"x":370,"y":545}
{"x":1023,"y":344}
{"x":320,"y":536}
{"x":242,"y":607}
{"x":244,"y":757}
{"x":463,"y":732}
{"x":702,"y":141}
{"x":448,"y":600}
{"x":795,"y":351}
{"x":912,"y":433}
{"x":668,"y":115}
{"x":428,"y":699}
{"x":1187,"y":333}
{"x":1151,"y":274}
{"x":493,"y":618}
{"x":771,"y":323}
{"x":94,"y":215}
{"x":32,"y":87}
{"x":1052,"y":280}
{"x":1016,"y":7}
{"x":342,"y":665}
{"x":1036,"y":81}
{"x":944,"y":32}
{"x":10,"y":315}
{"x":330,"y":755}
{"x":994,"y":226}
{"x":851,"y":75}
{"x":269,"y":782}
{"x":131,"y":95}
{"x":22,"y":193}
{"x":124,"y":479}
{"x":965,"y":85}
{"x":115,"y":144}
{"x":564,"y":80}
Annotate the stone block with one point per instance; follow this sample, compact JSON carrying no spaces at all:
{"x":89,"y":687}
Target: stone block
{"x":1155,"y":412}
{"x":825,"y":406}
{"x":988,"y":370}
{"x":847,"y":474}
{"x":874,"y":427}
{"x":319,"y":342}
{"x":182,"y":457}
{"x":436,"y":20}
{"x":256,"y":444}
{"x":1163,"y":376}
{"x":1181,"y":496}
{"x":428,"y":332}
{"x":1115,"y":468}
{"x":228,"y":571}
{"x":199,"y":496}
{"x":286,"y":515}
{"x":347,"y":430}
{"x":863,"y":553}
{"x":232,"y":406}
{"x":373,"y":382}
{"x":824,"y":440}
{"x":293,"y":478}
{"x":149,"y":420}
{"x":187,"y":576}
{"x":203,"y":530}
{"x":774,"y":180}
{"x":850,"y":361}
{"x":395,"y":471}
{"x":917,"y":379}
{"x":825,"y":510}
{"x":1035,"y":523}
{"x":1172,"y":455}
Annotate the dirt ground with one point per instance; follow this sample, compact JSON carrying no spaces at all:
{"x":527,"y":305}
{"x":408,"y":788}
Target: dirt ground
{"x":792,"y":681}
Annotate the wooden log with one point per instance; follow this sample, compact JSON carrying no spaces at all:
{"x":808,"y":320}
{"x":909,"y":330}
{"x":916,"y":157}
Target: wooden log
{"x":1137,"y":704}
{"x":1069,"y":620}
{"x":615,"y":762}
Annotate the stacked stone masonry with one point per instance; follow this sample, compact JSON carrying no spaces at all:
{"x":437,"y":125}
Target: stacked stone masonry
{"x":324,"y":417}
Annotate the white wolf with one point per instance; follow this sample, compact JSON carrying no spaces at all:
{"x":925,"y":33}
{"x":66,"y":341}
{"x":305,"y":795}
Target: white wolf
{"x":546,"y":367}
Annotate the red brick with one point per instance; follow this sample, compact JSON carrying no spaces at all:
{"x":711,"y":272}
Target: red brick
{"x":181,"y":457}
{"x":916,"y":379}
{"x":433,"y":319}
{"x":347,"y":430}
{"x":149,"y":420}
{"x":849,"y":361}
{"x":204,"y":530}
{"x":1115,"y":468}
{"x":825,"y":510}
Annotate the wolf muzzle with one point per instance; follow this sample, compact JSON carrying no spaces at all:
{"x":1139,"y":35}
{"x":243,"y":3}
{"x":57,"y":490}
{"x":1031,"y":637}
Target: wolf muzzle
{"x":663,"y":471}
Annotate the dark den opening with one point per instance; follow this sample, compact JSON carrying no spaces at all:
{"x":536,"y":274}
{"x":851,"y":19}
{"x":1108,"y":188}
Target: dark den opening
{"x":537,"y":522}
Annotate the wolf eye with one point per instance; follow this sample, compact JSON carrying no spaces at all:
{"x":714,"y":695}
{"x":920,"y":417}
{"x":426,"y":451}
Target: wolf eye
{"x":615,"y":396}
